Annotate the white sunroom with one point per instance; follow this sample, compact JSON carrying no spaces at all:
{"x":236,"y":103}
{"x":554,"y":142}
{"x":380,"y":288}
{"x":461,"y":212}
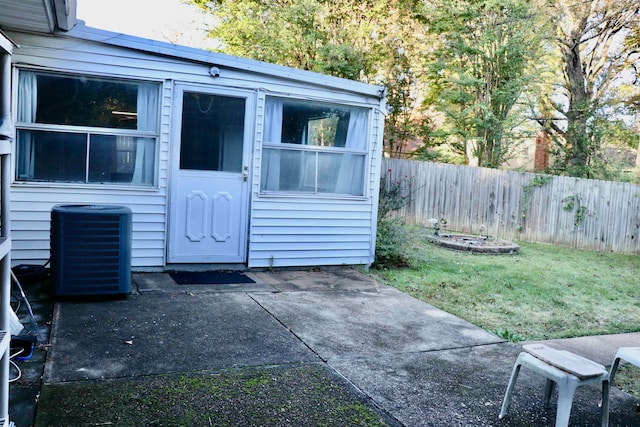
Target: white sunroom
{"x":222,"y":160}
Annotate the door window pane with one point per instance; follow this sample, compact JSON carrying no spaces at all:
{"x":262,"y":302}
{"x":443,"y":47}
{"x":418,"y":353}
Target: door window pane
{"x":212,"y":135}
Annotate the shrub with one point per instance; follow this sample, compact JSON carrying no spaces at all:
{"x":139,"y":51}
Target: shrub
{"x":391,"y":240}
{"x":392,"y":237}
{"x":394,"y":195}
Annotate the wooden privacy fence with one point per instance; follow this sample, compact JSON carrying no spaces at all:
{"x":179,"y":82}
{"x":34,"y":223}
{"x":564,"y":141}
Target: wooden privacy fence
{"x":575,"y":212}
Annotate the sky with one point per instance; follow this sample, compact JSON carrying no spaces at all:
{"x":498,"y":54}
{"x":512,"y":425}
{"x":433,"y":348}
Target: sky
{"x":166,"y":20}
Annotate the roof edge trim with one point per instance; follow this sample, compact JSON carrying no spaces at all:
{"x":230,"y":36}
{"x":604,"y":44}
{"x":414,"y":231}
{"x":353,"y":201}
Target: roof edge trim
{"x":84,"y":32}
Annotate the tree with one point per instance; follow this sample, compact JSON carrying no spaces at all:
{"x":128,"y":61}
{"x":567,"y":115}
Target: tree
{"x":375,"y":41}
{"x":295,"y":33}
{"x":594,"y":38}
{"x":479,"y":70}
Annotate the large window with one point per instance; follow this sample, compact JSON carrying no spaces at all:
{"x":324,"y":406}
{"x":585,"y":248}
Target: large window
{"x":313,"y":147}
{"x":86,"y":129}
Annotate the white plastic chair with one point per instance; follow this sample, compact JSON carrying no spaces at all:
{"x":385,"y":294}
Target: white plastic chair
{"x":567,"y":370}
{"x":628,"y":354}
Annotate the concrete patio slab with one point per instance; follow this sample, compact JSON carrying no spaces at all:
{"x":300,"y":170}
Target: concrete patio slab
{"x":160,"y":333}
{"x":465,"y":387}
{"x":345,"y":324}
{"x":317,"y":280}
{"x":412,"y":363}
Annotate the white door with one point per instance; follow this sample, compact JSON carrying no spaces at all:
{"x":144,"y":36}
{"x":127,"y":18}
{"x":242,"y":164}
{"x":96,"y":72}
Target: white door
{"x":210,"y":165}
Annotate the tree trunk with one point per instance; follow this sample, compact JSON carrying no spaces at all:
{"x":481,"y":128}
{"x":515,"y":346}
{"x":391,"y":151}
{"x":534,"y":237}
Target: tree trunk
{"x":493,"y":155}
{"x":541,"y":160}
{"x":578,"y":110}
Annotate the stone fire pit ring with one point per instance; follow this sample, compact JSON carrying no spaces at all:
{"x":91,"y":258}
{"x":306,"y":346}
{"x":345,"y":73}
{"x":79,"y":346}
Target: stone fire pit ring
{"x":474,"y":244}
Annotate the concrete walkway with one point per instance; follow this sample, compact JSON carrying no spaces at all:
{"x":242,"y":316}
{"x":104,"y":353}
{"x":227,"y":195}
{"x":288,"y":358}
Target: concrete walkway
{"x":417,"y":365}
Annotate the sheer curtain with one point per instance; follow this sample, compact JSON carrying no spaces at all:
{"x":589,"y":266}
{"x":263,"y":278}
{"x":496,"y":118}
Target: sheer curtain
{"x":27,"y":108}
{"x":351,"y":175}
{"x":147,"y":110}
{"x":270,"y":175}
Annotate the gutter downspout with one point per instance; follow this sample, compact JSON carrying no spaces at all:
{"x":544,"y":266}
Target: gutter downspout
{"x":65,"y":14}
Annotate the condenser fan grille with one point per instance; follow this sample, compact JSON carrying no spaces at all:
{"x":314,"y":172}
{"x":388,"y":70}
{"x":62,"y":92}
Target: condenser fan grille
{"x":90,"y":250}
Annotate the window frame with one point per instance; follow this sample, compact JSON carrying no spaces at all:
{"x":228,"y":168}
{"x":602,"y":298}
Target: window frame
{"x":88,"y":132}
{"x":365,"y":152}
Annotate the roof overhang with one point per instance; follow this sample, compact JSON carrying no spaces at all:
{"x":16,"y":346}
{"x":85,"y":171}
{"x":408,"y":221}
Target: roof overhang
{"x":39,"y":16}
{"x":215,"y":59}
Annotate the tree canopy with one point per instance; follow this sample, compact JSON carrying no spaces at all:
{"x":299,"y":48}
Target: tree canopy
{"x":479,"y":69}
{"x":597,"y":43}
{"x":476,"y":75}
{"x":375,"y":41}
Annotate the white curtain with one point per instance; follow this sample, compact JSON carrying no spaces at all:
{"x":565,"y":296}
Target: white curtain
{"x":147,"y":110}
{"x":27,"y":107}
{"x":351,"y":175}
{"x":270,"y":175}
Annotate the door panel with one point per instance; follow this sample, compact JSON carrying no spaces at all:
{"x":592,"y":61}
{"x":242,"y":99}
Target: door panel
{"x":209,"y":184}
{"x":195,"y":215}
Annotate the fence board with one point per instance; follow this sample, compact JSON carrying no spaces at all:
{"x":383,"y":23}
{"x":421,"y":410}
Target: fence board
{"x":580,"y":213}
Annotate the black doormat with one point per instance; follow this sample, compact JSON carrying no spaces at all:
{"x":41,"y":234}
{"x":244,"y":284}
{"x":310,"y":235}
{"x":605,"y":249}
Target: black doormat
{"x":209,"y":277}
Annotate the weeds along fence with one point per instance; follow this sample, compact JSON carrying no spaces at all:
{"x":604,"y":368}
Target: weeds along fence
{"x":574,"y":212}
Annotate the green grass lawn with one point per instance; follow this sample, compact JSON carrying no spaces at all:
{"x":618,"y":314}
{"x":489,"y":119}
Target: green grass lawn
{"x":542,"y":292}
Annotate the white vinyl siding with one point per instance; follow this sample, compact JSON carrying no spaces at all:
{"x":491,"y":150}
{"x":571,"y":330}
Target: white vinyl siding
{"x":31,"y":210}
{"x":309,"y":232}
{"x":377,"y":140}
{"x":301,"y":230}
{"x":284,"y":230}
{"x":32,"y":203}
